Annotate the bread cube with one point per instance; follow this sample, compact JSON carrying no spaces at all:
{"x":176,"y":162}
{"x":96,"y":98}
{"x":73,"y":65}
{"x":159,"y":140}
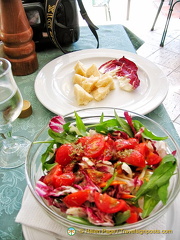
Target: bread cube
{"x":82,"y":97}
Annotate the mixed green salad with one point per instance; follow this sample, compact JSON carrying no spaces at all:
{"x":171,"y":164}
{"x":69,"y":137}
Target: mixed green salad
{"x":109,"y":173}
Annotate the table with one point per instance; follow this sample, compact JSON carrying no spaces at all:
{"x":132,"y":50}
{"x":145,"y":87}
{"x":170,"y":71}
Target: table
{"x":13,"y":182}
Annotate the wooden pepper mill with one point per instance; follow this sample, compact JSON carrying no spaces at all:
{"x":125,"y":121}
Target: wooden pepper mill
{"x":16,"y":35}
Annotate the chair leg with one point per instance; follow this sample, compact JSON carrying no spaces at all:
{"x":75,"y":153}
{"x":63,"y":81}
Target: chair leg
{"x":159,"y":9}
{"x":128,"y":9}
{"x":167,"y":22}
{"x":107,"y":12}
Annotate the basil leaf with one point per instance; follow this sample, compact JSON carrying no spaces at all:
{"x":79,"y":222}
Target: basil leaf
{"x":151,"y":199}
{"x":80,"y":125}
{"x":78,"y":220}
{"x":121,"y":217}
{"x":125,"y":126}
{"x":146,"y":133}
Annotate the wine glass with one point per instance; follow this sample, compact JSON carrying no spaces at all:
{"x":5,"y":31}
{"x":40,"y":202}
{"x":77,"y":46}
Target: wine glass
{"x":13,"y":149}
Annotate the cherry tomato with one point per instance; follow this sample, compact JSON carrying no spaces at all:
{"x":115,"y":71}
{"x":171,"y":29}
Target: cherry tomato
{"x":133,"y":157}
{"x":52,"y":176}
{"x":153,"y":158}
{"x":83,"y":140}
{"x":56,"y":178}
{"x":108,"y":204}
{"x":122,"y":144}
{"x":69,"y":167}
{"x":64,"y":154}
{"x":94,"y":146}
{"x":76,"y":199}
{"x":79,"y":147}
{"x":98,"y":177}
{"x":108,"y":151}
{"x":143,"y":149}
{"x":133,"y":217}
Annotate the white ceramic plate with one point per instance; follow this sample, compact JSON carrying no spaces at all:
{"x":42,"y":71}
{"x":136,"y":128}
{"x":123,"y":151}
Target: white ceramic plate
{"x":54,"y":86}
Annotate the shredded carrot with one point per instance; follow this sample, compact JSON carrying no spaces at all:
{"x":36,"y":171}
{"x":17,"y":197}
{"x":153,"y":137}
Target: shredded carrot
{"x":115,"y":182}
{"x":127,"y":196}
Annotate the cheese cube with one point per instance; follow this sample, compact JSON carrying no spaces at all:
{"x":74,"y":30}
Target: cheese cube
{"x":101,"y":93}
{"x":104,"y":80}
{"x":82,"y":97}
{"x":79,"y":69}
{"x":89,"y":84}
{"x":93,"y":71}
{"x":77,"y":78}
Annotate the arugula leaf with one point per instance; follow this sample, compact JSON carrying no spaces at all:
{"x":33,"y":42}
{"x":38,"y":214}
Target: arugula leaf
{"x":163,"y":192}
{"x":121,"y":217}
{"x":45,"y":156}
{"x":146,"y":133}
{"x":78,"y":220}
{"x":107,"y":126}
{"x":151,"y":199}
{"x":161,"y":175}
{"x":62,"y":137}
{"x":101,"y":118}
{"x":124,"y":125}
{"x":66,"y":127}
{"x":109,"y":181}
{"x":80,"y":125}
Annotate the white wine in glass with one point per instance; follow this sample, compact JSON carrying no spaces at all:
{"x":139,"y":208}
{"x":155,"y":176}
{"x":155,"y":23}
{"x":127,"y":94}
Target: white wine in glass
{"x":13,"y":149}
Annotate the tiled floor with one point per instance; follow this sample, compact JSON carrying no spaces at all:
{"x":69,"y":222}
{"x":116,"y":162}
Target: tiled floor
{"x":142,"y":14}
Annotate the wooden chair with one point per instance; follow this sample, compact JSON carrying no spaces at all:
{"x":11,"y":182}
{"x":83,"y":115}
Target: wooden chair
{"x":172,"y":3}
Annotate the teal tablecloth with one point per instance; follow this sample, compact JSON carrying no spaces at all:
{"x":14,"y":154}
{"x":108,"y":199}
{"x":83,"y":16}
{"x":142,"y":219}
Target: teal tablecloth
{"x":13,"y":182}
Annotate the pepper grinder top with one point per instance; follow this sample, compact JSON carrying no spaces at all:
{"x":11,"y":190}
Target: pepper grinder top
{"x":16,"y":35}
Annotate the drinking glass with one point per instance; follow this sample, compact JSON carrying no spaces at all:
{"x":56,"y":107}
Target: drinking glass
{"x":13,"y":149}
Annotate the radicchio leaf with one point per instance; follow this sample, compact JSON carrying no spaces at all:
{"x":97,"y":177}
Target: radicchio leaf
{"x":122,"y":67}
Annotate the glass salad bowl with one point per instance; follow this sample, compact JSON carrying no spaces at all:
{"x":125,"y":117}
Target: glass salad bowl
{"x":168,"y":182}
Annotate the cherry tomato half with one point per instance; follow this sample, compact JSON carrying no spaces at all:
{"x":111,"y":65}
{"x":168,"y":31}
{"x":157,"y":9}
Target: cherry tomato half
{"x":97,"y":176}
{"x":94,"y":146}
{"x":153,"y":158}
{"x":122,"y":144}
{"x":108,"y":151}
{"x":56,"y":178}
{"x":133,"y":157}
{"x":76,"y":199}
{"x":142,"y":148}
{"x":134,"y":215}
{"x":108,"y":204}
